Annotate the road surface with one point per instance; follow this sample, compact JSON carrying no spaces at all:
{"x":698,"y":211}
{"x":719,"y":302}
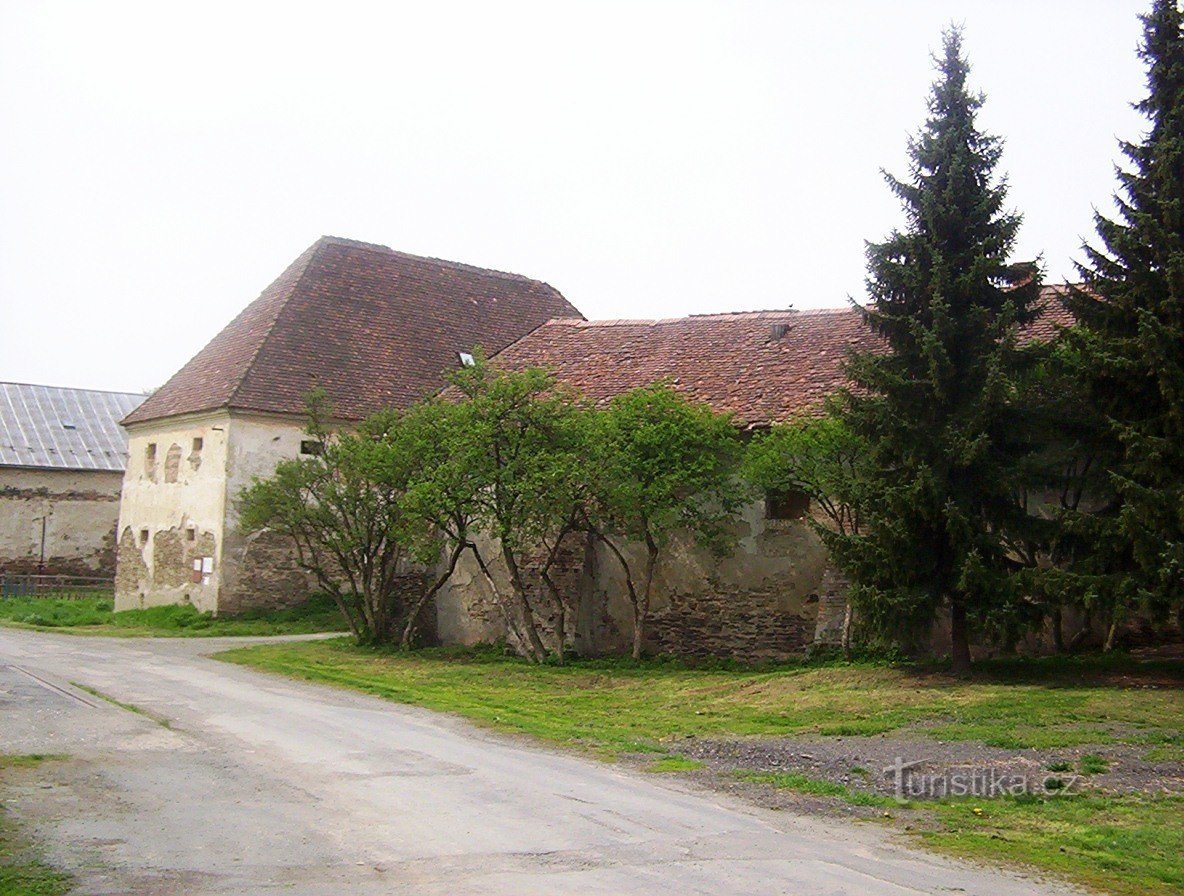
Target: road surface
{"x":262,"y":785}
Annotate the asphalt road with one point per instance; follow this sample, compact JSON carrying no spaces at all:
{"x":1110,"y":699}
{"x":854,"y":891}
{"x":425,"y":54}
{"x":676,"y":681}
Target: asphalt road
{"x":262,"y":785}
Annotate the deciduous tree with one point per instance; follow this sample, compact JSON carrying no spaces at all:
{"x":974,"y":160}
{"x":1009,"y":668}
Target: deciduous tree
{"x":659,"y":464}
{"x":343,"y":510}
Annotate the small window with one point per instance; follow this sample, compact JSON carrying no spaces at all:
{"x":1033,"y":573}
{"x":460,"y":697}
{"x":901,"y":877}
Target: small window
{"x":197,"y":443}
{"x":191,"y":534}
{"x":143,"y":536}
{"x":310,"y":446}
{"x":466,"y":359}
{"x":150,"y":454}
{"x":786,"y":505}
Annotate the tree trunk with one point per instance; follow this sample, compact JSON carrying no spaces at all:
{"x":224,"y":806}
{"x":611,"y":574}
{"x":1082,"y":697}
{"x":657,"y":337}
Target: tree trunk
{"x":631,"y":590}
{"x":1087,"y":627}
{"x":845,"y":638}
{"x":560,"y":616}
{"x":1110,"y":634}
{"x":959,"y":639}
{"x":507,"y":613}
{"x":556,"y":597}
{"x":413,"y":614}
{"x":535,"y":644}
{"x":638,"y":631}
{"x":642,"y":608}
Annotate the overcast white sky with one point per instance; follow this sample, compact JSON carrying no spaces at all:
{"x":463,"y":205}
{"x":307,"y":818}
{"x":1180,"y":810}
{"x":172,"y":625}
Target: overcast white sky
{"x":161,"y":163}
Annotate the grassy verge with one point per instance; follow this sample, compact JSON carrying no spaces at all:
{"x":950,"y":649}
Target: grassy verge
{"x":616,"y":706}
{"x":800,"y":783}
{"x":1124,"y":844}
{"x":22,"y":873}
{"x":130,"y":707}
{"x":95,"y":615}
{"x":1129,"y":845}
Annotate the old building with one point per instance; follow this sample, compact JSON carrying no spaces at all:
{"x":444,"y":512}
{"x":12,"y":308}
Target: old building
{"x":776,"y":593}
{"x":371,"y":327}
{"x":62,"y":455}
{"x":376,"y":328}
{"x":763,"y":368}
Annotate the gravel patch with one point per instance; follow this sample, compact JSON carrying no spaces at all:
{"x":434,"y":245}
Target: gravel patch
{"x":870,"y":765}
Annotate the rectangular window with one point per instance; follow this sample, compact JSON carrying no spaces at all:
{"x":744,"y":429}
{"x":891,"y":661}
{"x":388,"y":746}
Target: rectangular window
{"x":191,"y":533}
{"x":310,"y":446}
{"x":197,"y":443}
{"x":150,"y":454}
{"x":786,"y":505}
{"x":143,"y":536}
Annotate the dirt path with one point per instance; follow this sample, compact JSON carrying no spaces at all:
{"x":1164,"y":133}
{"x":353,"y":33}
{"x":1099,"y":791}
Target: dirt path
{"x":259,"y":785}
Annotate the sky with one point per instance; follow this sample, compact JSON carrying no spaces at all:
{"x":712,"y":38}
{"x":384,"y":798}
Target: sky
{"x":161,"y":163}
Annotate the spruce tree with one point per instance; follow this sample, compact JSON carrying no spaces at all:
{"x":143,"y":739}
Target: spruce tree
{"x":1131,"y":336}
{"x":937,"y":409}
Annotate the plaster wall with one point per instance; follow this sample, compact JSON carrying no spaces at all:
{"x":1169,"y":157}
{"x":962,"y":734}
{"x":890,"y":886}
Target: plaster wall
{"x":171,"y":513}
{"x":80,"y":508}
{"x":258,"y":569}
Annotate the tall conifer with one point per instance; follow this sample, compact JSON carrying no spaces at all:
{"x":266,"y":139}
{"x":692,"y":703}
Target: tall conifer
{"x":937,"y":409}
{"x":1131,"y":337}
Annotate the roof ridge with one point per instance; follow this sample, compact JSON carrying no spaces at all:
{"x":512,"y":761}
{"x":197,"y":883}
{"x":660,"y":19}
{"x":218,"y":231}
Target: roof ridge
{"x":431,"y":259}
{"x":316,"y":250}
{"x":74,"y":388}
{"x":769,"y":313}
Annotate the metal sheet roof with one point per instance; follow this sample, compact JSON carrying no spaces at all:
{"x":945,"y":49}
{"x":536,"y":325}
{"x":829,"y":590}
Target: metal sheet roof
{"x":63,"y":429}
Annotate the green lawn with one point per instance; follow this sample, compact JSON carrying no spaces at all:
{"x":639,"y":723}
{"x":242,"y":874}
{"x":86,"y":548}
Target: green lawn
{"x":22,"y":873}
{"x":1126,"y":844}
{"x":613,"y":706}
{"x":95,"y":615}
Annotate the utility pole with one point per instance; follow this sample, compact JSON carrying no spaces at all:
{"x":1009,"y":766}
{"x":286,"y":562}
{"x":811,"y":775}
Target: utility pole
{"x":41,"y":560}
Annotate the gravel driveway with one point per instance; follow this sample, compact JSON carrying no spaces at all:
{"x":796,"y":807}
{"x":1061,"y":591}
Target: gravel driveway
{"x":260,"y":785}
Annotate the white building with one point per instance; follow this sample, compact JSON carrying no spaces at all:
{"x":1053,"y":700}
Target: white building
{"x":372,"y":327}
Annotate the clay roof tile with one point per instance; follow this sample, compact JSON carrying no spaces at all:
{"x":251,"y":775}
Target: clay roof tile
{"x":371,"y":326}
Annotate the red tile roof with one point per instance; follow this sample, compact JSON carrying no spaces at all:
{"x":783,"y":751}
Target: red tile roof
{"x":763,"y":367}
{"x":373,"y":327}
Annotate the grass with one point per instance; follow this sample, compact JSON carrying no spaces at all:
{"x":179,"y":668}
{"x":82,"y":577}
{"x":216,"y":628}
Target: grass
{"x":130,"y":707}
{"x":674,"y":764}
{"x":615,"y":706}
{"x":22,"y":872}
{"x":1126,"y":844}
{"x":800,"y":783}
{"x":95,"y":615}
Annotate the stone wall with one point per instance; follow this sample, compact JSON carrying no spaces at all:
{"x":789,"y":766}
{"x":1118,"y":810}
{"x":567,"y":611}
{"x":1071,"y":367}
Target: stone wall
{"x":758,"y":603}
{"x":259,"y":570}
{"x":80,"y":508}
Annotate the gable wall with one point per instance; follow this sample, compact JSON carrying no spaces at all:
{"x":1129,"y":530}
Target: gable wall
{"x":178,"y":500}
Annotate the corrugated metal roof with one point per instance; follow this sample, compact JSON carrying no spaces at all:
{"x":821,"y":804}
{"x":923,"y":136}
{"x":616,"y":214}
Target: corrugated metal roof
{"x":63,"y":429}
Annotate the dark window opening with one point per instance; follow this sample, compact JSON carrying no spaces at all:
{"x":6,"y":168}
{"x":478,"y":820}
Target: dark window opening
{"x":786,"y":505}
{"x":197,"y":443}
{"x":310,"y":446}
{"x":150,"y":453}
{"x":191,"y":533}
{"x":143,"y":536}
